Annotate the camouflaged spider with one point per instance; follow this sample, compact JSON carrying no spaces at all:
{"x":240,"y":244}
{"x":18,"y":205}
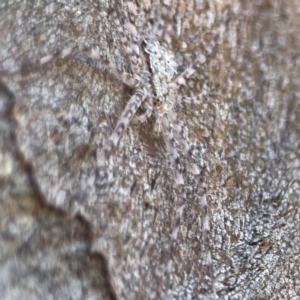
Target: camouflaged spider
{"x":155,"y":84}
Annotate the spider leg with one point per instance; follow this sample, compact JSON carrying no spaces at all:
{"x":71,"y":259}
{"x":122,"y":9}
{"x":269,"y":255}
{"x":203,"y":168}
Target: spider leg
{"x":127,"y":115}
{"x":202,"y":194}
{"x":163,"y":29}
{"x":170,"y":144}
{"x":178,"y":131}
{"x":173,"y":154}
{"x":206,"y":231}
{"x":131,"y":45}
{"x":131,"y":26}
{"x":186,"y":149}
{"x":44,"y":60}
{"x":124,"y":77}
{"x":179,"y":204}
{"x":187,"y":73}
{"x":146,"y":115}
{"x":179,"y":182}
{"x":194,"y":99}
{"x":189,"y":100}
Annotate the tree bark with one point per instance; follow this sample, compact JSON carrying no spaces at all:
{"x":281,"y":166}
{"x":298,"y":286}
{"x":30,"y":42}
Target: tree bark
{"x":64,"y":236}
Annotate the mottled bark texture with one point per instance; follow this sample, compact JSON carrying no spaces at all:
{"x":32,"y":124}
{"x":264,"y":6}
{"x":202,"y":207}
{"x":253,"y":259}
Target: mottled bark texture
{"x":64,"y":237}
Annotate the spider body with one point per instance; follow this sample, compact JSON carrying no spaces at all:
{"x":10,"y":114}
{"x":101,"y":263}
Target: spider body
{"x":155,"y":83}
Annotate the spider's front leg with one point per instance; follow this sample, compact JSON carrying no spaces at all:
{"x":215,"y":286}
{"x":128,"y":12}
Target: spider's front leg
{"x":124,"y":77}
{"x":146,"y":115}
{"x":127,"y":115}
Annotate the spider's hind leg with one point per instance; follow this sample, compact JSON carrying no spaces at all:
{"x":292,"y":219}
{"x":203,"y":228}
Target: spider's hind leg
{"x":206,"y":231}
{"x":178,"y":132}
{"x":173,"y":154}
{"x":187,"y":73}
{"x":178,"y":182}
{"x":179,"y":185}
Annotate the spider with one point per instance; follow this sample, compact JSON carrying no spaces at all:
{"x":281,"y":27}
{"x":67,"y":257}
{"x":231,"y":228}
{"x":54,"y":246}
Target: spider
{"x":155,"y":83}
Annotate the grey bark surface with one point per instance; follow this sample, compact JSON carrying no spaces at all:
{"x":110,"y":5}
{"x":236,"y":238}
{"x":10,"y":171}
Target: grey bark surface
{"x":64,"y":237}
